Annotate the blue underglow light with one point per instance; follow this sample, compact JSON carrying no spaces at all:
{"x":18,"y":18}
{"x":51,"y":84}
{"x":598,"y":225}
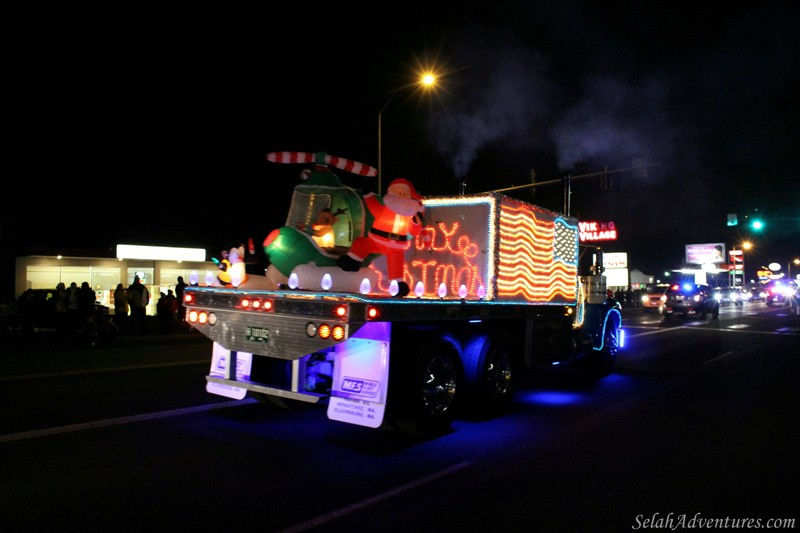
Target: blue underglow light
{"x":553,"y":397}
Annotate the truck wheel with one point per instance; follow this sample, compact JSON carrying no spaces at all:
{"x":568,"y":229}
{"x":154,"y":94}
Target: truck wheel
{"x":489,"y":372}
{"x":423,"y":389}
{"x":607,"y":357}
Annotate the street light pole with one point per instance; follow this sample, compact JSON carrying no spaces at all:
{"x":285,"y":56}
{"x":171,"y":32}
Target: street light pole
{"x":789,"y":267}
{"x":426,"y":80}
{"x":380,"y":140}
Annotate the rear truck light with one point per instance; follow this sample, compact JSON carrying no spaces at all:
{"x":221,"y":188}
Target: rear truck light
{"x":255,"y":304}
{"x":201,"y":317}
{"x":373,"y":313}
{"x":340,"y":311}
{"x":326,"y":331}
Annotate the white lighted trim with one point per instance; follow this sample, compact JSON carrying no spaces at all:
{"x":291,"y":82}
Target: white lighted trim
{"x":160,"y":253}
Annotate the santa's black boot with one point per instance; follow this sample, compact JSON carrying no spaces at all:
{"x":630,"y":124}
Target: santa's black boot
{"x":348,"y":264}
{"x":402,"y":289}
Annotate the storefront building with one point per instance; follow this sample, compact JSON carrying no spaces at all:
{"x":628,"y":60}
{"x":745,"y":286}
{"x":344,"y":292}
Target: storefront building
{"x":157,"y":267}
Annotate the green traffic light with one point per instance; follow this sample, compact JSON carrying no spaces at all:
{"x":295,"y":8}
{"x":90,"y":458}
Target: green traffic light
{"x":757,"y":225}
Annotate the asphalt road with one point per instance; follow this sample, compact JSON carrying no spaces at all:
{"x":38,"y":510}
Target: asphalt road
{"x":697,"y":422}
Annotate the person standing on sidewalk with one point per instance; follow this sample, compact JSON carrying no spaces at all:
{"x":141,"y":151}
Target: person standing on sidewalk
{"x":121,"y":308}
{"x":181,"y":308}
{"x":138,"y":298}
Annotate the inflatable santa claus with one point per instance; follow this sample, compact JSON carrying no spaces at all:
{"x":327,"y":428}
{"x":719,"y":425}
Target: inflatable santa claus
{"x":398,"y":218}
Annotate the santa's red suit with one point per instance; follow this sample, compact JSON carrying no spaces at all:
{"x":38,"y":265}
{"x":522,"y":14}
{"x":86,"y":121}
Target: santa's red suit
{"x":398,"y":219}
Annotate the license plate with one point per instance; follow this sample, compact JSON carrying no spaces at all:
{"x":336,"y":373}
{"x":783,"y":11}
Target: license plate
{"x":257,"y":334}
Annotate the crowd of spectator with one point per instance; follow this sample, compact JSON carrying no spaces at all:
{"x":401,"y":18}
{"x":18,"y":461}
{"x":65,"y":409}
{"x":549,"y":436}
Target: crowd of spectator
{"x":75,"y":311}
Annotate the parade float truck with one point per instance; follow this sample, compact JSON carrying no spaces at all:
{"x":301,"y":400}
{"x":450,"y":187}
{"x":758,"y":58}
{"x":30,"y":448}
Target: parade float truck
{"x":494,"y":287}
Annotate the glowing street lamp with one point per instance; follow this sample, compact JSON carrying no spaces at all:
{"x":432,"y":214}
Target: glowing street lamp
{"x":796,"y":261}
{"x":426,"y":81}
{"x":746,"y":246}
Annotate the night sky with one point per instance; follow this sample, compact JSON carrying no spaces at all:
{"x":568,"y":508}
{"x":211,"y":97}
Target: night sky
{"x":142,"y":124}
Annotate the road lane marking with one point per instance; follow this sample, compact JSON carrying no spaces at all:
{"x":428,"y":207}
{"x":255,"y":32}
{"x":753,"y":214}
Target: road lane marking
{"x":119,"y":421}
{"x":100,"y":370}
{"x":717,"y":358}
{"x":728,"y":329}
{"x":323,"y":519}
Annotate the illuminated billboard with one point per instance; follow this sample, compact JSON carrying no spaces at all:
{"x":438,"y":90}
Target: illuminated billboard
{"x":704,"y":254}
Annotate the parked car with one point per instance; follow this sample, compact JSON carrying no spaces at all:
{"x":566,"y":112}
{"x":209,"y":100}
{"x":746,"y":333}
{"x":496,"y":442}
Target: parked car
{"x":730,"y":295}
{"x":654,"y":298}
{"x":690,"y":299}
{"x":778,"y":290}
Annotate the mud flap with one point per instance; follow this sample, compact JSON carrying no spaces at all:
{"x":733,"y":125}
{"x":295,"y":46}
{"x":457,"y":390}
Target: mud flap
{"x":219,"y":364}
{"x":361,"y":377}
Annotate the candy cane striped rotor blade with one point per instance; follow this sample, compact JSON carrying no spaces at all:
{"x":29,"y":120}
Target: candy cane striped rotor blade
{"x":351,"y":166}
{"x":290,"y":157}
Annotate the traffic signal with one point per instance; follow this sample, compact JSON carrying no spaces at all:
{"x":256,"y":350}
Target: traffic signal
{"x":755,"y":222}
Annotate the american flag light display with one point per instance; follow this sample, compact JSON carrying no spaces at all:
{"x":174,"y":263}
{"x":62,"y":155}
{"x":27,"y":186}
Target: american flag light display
{"x":492,"y":247}
{"x":537,"y":255}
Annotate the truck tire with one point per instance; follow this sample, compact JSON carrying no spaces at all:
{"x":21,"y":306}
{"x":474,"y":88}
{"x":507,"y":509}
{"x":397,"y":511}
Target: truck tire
{"x":489,"y":372}
{"x":424,"y":387}
{"x":607,"y":356}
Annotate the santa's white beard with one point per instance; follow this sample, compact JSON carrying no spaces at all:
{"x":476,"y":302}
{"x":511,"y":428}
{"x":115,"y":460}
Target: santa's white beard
{"x":403,"y":206}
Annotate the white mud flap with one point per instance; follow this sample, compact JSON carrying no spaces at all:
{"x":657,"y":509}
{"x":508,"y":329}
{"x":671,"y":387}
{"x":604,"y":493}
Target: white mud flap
{"x":219,"y":364}
{"x":361,"y":377}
